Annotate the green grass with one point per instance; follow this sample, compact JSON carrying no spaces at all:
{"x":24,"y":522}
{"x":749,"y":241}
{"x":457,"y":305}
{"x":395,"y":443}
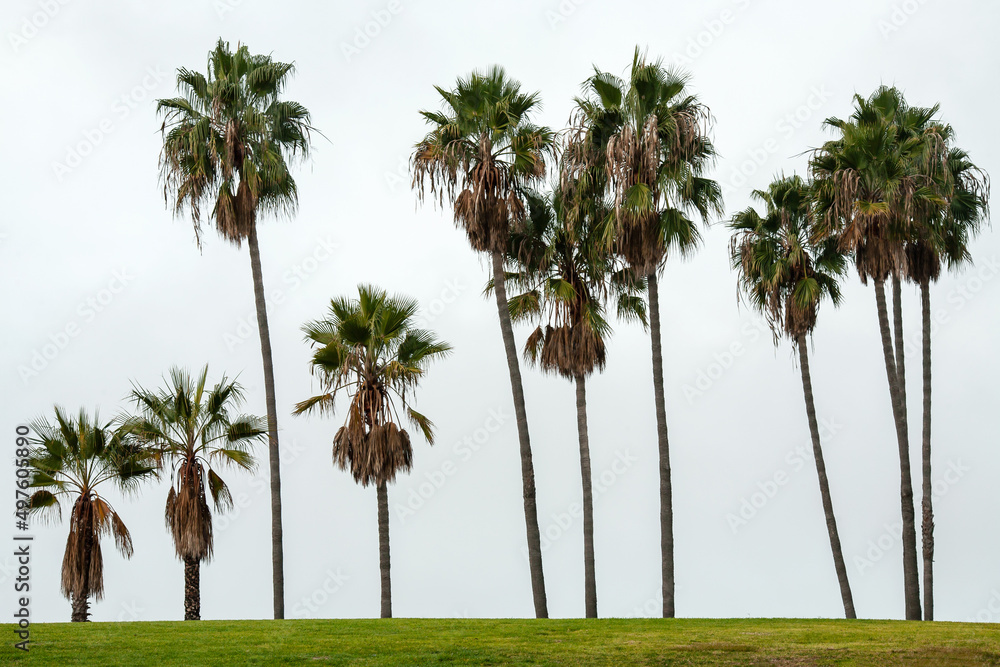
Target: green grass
{"x":616,"y":642}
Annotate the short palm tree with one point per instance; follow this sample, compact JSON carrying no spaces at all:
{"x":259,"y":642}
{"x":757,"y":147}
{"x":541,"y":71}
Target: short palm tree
{"x":70,"y":460}
{"x":482,"y":153}
{"x":941,"y":235}
{"x":867,"y":192}
{"x":785,"y":276}
{"x":567,"y":275}
{"x":644,"y":141}
{"x":228,"y":141}
{"x":194,"y":431}
{"x":370,"y":349}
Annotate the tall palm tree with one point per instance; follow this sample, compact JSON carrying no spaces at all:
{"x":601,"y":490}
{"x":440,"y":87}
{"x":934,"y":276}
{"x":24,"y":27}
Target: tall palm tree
{"x":228,"y":141}
{"x":481,"y":154}
{"x":645,"y":140}
{"x":942,"y":233}
{"x":195,"y":432}
{"x":867,"y":193}
{"x":69,"y":460}
{"x":785,"y":276}
{"x":566,"y":275}
{"x":370,"y":349}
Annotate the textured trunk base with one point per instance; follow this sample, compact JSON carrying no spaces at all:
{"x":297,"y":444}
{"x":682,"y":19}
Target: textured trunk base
{"x":192,"y":589}
{"x":81,"y":609}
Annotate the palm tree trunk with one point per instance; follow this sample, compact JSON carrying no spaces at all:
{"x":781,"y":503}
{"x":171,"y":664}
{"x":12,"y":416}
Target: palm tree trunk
{"x":81,"y":609}
{"x":192,"y":588}
{"x":666,"y":499}
{"x":277,"y":553}
{"x":897,"y":322}
{"x":589,"y":574}
{"x":824,"y":483}
{"x":527,"y":468}
{"x":85,"y":517}
{"x":911,"y":582}
{"x":927,"y":514}
{"x":383,"y":549}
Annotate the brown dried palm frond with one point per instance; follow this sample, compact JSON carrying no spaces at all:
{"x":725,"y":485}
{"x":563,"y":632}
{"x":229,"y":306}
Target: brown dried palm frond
{"x":568,"y":351}
{"x":187,"y":513}
{"x":83,"y":562}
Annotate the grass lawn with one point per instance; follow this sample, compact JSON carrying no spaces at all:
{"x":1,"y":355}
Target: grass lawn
{"x":617,"y":642}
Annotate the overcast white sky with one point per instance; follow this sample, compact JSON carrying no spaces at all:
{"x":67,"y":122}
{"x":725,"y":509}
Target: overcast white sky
{"x":76,"y":225}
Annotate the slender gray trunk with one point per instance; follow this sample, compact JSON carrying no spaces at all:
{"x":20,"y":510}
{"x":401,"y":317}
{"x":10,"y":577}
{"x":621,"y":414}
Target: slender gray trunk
{"x":897,"y":323}
{"x":277,"y":553}
{"x":927,"y":507}
{"x":527,"y":468}
{"x":589,"y":573}
{"x":911,"y":581}
{"x":383,"y":550}
{"x":824,"y":483}
{"x":666,"y":499}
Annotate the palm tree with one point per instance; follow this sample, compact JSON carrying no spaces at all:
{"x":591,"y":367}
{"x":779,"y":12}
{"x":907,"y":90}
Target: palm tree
{"x":941,"y":233}
{"x":868,"y":191}
{"x":785,"y":276}
{"x":565,"y":273}
{"x":195,"y":431}
{"x":481,"y":154}
{"x":645,"y":142}
{"x":227,"y":144}
{"x":370,"y":348}
{"x":70,"y":459}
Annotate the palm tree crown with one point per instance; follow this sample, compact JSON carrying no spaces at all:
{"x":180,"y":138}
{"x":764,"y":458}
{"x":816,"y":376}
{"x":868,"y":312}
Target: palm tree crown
{"x":482,"y":152}
{"x":370,"y":349}
{"x":70,"y":459}
{"x":646,"y":140}
{"x":193,"y":430}
{"x":228,"y":140}
{"x":567,"y":274}
{"x":782,"y":273}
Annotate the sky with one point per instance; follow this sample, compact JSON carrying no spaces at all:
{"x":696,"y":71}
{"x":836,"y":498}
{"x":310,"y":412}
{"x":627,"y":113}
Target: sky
{"x":102,"y":287}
